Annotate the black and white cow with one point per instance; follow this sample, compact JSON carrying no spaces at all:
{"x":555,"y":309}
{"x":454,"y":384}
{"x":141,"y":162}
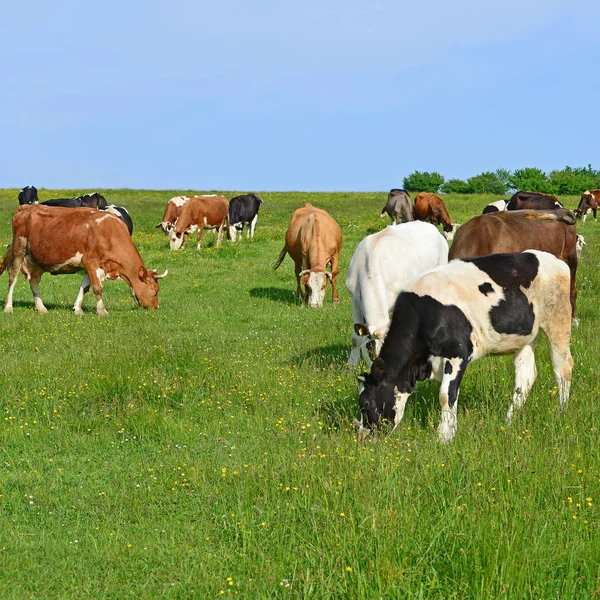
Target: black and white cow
{"x":460,"y":312}
{"x":498,"y":206}
{"x":243,"y":210}
{"x":399,"y":207}
{"x":28,"y":195}
{"x":123,"y":214}
{"x":94,"y":200}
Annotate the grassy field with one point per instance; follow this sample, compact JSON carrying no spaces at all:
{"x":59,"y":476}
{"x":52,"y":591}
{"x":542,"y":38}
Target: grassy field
{"x":206,"y":449}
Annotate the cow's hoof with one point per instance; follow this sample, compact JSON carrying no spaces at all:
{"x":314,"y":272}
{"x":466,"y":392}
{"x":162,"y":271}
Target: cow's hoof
{"x":42,"y":310}
{"x":78,"y":312}
{"x":575,"y":323}
{"x":336,"y":300}
{"x":102,"y":313}
{"x":8,"y":309}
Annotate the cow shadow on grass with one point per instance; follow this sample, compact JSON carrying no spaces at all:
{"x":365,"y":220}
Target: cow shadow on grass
{"x":285,"y":296}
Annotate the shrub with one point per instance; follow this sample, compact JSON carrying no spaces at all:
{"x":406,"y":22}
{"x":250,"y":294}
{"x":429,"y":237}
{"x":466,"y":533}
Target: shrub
{"x":574,"y":181}
{"x":530,"y":179}
{"x":456,"y":186}
{"x":487,"y":183}
{"x":423,"y":182}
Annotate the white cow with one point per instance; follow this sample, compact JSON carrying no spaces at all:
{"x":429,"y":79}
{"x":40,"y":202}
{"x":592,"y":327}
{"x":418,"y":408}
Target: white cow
{"x":382,"y":265}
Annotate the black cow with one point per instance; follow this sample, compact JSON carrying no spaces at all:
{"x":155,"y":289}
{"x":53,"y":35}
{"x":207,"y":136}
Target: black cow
{"x":532,"y":200}
{"x":459,"y":312}
{"x":243,"y":210}
{"x":121,"y":212}
{"x":94,"y":200}
{"x":28,"y":195}
{"x":398,"y":207}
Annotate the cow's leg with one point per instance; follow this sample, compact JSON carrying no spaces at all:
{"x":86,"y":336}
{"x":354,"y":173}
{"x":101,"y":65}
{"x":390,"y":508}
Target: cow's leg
{"x":334,"y":267}
{"x":297,"y":270}
{"x":572,"y":262}
{"x":83,"y":290}
{"x":232,"y":233}
{"x":399,"y":406}
{"x":96,"y":276}
{"x":252,"y":226}
{"x":34,"y":283}
{"x":219,"y":235}
{"x":525,"y":376}
{"x":19,"y":247}
{"x":200,"y":232}
{"x":594,"y":211}
{"x":454,"y":369}
{"x":558,"y":332}
{"x":585,"y":214}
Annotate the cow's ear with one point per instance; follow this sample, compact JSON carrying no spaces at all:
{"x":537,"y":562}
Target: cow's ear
{"x":304,"y":280}
{"x":142,"y":273}
{"x":334,"y":274}
{"x":378,"y":369}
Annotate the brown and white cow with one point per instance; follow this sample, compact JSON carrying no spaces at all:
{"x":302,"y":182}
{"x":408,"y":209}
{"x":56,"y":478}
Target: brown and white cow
{"x":313,"y":240}
{"x":590,"y":202}
{"x":551,"y":231}
{"x":60,"y":240}
{"x":172,"y":212}
{"x":429,"y":207}
{"x":200,"y":213}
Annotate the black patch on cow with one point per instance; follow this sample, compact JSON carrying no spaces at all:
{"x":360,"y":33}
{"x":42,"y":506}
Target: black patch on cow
{"x":514,"y":314}
{"x":486,"y":288}
{"x":448,"y":368}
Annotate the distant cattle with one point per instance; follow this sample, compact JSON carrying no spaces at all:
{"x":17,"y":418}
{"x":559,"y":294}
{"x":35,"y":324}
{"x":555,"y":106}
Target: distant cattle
{"x":198,"y":214}
{"x":28,"y":195}
{"x":313,"y":240}
{"x":497,"y":206}
{"x":460,"y":312}
{"x":172,"y":212}
{"x":243,"y":210}
{"x":382,"y":265}
{"x":58,"y":240}
{"x":552,"y":231}
{"x":429,"y":207}
{"x":590,"y":202}
{"x":398,"y":207}
{"x":533,"y":200}
{"x":93,"y":200}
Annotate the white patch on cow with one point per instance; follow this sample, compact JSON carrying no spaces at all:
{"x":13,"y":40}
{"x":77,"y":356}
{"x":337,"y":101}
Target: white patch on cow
{"x":586,"y":213}
{"x":87,"y":226}
{"x":205,"y":222}
{"x":72,"y":262}
{"x":450,"y":234}
{"x":579,"y":244}
{"x":399,"y":406}
{"x":317,"y":283}
{"x":100,"y":274}
{"x":179,"y":200}
{"x":103,"y":218}
{"x":448,"y":422}
{"x":250,"y":231}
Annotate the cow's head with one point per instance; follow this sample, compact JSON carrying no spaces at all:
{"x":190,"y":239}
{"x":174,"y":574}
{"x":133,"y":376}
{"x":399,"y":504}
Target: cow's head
{"x":450,"y":230}
{"x":145,"y":290}
{"x":316,"y":283}
{"x":177,"y":238}
{"x":377,"y":396}
{"x":166,"y":226}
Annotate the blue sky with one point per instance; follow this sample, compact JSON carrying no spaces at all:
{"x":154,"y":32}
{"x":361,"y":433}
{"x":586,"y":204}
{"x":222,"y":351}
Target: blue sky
{"x":313,"y":95}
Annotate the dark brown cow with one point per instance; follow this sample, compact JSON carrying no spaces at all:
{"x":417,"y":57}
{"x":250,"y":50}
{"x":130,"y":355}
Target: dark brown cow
{"x":590,"y":201}
{"x":313,"y":240}
{"x":200,"y":213}
{"x":552,"y":231}
{"x":60,"y":240}
{"x":429,"y":207}
{"x":533,"y":200}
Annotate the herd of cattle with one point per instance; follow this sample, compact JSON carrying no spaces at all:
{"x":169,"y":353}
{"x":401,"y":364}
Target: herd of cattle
{"x":419,"y":316}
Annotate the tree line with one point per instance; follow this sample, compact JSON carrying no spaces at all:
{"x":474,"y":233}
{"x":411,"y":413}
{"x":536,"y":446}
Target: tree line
{"x":567,"y":181}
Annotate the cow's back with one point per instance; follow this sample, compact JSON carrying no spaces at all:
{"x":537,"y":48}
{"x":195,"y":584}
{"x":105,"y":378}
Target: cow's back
{"x":198,"y":208}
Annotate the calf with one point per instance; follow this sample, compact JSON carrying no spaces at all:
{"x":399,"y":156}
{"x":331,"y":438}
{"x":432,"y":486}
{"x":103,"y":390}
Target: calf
{"x":497,"y":206}
{"x":590,"y":202}
{"x":551,"y":231}
{"x":429,"y":207}
{"x":94,"y":200}
{"x":533,"y":200}
{"x":243,"y":210}
{"x":198,"y":214}
{"x":313,"y":240}
{"x":463,"y":311}
{"x":59,"y":240}
{"x":28,"y":195}
{"x":374,"y":280}
{"x":398,"y":207}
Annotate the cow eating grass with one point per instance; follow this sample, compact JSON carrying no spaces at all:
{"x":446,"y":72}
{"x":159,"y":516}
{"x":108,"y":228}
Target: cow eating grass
{"x":460,"y":312}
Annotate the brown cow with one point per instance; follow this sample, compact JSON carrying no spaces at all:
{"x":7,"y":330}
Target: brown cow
{"x":200,"y":213}
{"x":429,"y":207}
{"x":590,"y":201}
{"x":172,"y":212}
{"x":552,"y":231}
{"x":60,"y":240}
{"x":313,"y":240}
{"x":522,"y":200}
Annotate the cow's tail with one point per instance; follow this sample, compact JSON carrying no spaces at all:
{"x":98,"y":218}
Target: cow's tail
{"x":281,"y":257}
{"x":6,"y":259}
{"x":553,"y":215}
{"x":383,"y":213}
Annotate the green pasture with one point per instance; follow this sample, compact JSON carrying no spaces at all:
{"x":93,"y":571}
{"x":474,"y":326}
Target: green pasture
{"x":206,"y":449}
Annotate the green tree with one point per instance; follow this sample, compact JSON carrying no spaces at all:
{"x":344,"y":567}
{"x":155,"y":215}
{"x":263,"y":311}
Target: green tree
{"x":423,"y":182}
{"x":487,"y":183}
{"x":530,"y":179}
{"x":574,"y":181}
{"x":456,"y":186}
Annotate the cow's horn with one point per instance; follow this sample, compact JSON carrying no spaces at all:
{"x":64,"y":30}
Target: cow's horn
{"x":303,"y":272}
{"x":157,"y":276}
{"x":328,"y":275}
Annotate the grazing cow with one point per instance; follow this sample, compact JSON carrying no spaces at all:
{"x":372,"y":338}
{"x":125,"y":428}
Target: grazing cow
{"x":28,"y":195}
{"x":94,"y":200}
{"x":429,"y":207}
{"x":398,"y":207}
{"x":59,"y":240}
{"x":463,"y":311}
{"x":381,"y":266}
{"x":497,"y":206}
{"x":313,"y":240}
{"x":590,"y":202}
{"x":200,"y":213}
{"x":533,"y":200}
{"x":243,"y":210}
{"x":172,"y":212}
{"x":551,"y":231}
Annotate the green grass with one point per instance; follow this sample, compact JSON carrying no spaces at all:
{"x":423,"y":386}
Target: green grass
{"x":206,"y":449}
